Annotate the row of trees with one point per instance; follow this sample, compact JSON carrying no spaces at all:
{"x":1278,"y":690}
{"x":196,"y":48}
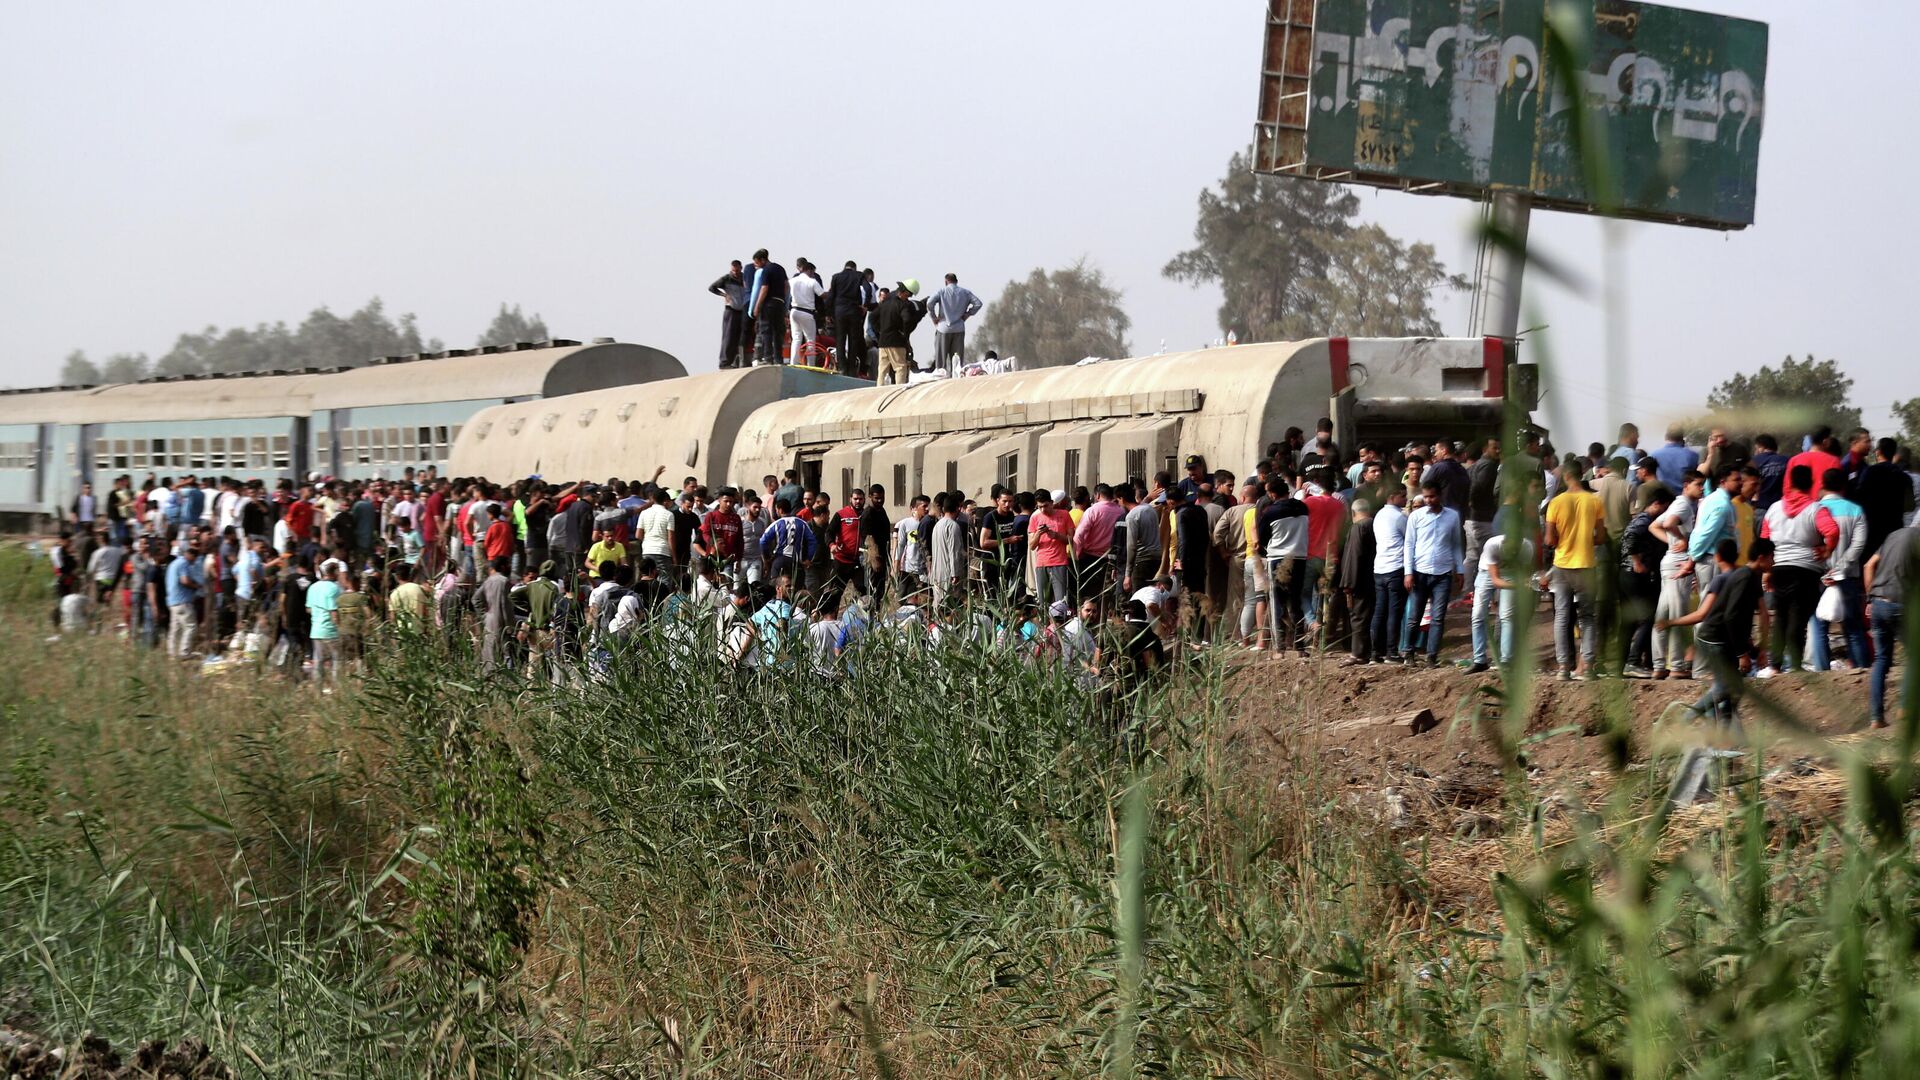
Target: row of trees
{"x":1797,"y":396}
{"x":322,"y":340}
{"x":1289,"y":256}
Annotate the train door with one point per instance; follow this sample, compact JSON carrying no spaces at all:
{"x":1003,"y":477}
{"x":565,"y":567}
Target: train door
{"x":42,"y":457}
{"x":812,"y":467}
{"x":298,"y":450}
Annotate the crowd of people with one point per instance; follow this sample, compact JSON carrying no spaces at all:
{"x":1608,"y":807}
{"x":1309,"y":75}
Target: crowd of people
{"x":1726,"y":562}
{"x":850,"y":322}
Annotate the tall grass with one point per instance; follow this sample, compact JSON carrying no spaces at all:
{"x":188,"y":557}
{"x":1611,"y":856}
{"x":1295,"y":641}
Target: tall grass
{"x":938,"y":864}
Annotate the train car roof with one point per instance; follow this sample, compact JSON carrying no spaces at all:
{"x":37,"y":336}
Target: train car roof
{"x":531,"y":370}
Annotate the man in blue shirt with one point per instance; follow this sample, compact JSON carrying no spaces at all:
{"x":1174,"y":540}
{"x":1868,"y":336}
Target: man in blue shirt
{"x":767,"y":306}
{"x":1713,"y":522}
{"x":1675,"y":458}
{"x":185,"y":579}
{"x":1433,"y":568}
{"x":1773,"y":473}
{"x":951,"y":307}
{"x":248,"y":569}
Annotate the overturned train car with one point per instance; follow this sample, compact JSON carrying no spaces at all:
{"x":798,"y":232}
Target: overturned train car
{"x":1054,"y":427}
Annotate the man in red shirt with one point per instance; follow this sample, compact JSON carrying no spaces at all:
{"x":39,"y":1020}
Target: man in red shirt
{"x":1326,"y":513}
{"x":300,"y":517}
{"x":720,"y":533}
{"x":844,"y":546}
{"x":1823,"y":455}
{"x":499,"y":537}
{"x":1049,"y":528}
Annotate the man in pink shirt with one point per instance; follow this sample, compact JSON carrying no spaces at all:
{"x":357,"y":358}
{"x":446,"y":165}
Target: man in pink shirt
{"x":1049,"y":532}
{"x":1093,"y":542}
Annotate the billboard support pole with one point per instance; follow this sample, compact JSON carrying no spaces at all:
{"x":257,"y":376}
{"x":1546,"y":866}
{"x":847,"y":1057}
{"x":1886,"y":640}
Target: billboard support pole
{"x":1502,"y":267}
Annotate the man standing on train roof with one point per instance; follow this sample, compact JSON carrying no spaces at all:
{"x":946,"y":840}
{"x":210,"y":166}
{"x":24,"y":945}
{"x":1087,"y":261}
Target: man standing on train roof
{"x":894,"y":323}
{"x":805,"y":289}
{"x":847,"y":298}
{"x":732,"y":289}
{"x":767,"y":305}
{"x":952,"y":306}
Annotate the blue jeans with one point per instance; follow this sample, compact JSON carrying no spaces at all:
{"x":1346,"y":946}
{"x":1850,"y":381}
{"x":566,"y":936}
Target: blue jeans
{"x":1436,"y":589}
{"x":1887,"y":624}
{"x":1486,"y":599}
{"x":1389,"y":612}
{"x":1853,"y":626}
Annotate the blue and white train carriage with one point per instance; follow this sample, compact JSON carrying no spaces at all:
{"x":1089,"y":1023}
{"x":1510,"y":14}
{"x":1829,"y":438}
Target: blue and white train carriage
{"x":349,"y":422}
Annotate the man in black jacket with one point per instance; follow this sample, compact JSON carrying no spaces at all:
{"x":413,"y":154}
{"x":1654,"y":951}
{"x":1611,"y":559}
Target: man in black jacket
{"x":894,"y":323}
{"x":844,"y":295}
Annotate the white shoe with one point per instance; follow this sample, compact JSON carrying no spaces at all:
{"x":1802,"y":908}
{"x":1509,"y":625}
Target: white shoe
{"x":1765,"y":673}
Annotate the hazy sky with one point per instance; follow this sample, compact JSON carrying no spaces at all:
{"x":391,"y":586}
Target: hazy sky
{"x":164,"y":167}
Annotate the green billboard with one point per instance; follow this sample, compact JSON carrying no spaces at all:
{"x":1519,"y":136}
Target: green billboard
{"x":1467,"y":97}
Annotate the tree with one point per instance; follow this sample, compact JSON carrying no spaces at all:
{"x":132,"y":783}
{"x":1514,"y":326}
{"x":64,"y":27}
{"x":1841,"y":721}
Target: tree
{"x":510,"y":327}
{"x":79,"y":371}
{"x":1908,"y":414}
{"x":1376,"y":287}
{"x":124,"y":368}
{"x":1802,"y":394}
{"x":1057,"y":318}
{"x":1291,"y":263}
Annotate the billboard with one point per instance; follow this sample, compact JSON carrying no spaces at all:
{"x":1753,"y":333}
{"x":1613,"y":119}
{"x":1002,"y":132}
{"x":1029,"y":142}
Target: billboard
{"x":1464,"y":97}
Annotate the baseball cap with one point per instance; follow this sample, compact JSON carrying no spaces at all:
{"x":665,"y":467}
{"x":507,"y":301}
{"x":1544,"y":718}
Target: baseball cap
{"x":1195,"y":461}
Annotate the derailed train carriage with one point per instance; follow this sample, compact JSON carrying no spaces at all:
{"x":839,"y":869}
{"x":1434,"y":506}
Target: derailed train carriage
{"x":1053,"y":427}
{"x":377,"y":419}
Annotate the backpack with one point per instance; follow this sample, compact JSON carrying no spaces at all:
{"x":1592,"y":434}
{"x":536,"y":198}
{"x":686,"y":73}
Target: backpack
{"x":609,"y":606}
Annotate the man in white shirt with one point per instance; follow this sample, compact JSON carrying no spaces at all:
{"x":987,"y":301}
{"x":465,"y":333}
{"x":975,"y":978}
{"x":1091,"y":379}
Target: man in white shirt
{"x":807,"y":288}
{"x":1389,"y":575}
{"x":656,"y":534}
{"x":1495,"y":582}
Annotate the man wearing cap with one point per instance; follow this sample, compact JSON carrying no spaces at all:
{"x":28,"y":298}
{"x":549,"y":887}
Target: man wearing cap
{"x":1196,"y":475}
{"x":952,"y":306}
{"x":894,"y":323}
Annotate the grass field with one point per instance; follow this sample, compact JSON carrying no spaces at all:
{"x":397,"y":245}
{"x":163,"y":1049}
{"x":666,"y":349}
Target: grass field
{"x":944,"y":868}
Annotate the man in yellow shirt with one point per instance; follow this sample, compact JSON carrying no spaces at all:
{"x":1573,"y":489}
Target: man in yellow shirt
{"x":604,"y":551}
{"x":1743,"y":512}
{"x":1575,"y":519}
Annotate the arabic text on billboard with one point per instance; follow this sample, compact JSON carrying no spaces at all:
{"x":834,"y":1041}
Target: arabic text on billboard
{"x":1458,"y":97}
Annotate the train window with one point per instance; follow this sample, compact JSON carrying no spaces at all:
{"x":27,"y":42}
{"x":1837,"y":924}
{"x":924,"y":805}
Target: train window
{"x":423,"y":439}
{"x":440,"y":443}
{"x":257,"y":453}
{"x":216,"y":454}
{"x":377,"y":453}
{"x":1010,"y":471}
{"x":953,"y":476}
{"x":1173,"y":465}
{"x":362,"y":446}
{"x":1136,"y":466}
{"x":1072,"y":471}
{"x":158,"y":458}
{"x":100,"y":453}
{"x":282,"y":452}
{"x":197,"y":453}
{"x":846,"y":484}
{"x":900,"y":485}
{"x":137,"y":454}
{"x":121,"y":456}
{"x":322,"y":446}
